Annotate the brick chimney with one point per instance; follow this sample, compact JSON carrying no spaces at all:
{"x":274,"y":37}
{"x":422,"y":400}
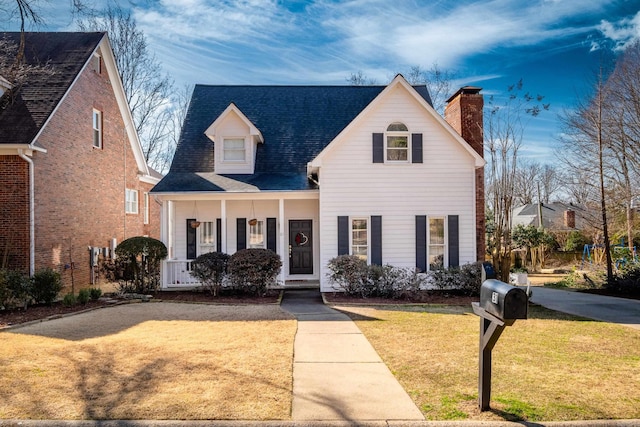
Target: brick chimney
{"x":464,"y":113}
{"x":570,"y":219}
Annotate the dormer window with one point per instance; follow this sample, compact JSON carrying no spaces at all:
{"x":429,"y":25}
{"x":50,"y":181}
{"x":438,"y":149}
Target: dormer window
{"x":235,"y":142}
{"x":397,"y":143}
{"x":234,"y":150}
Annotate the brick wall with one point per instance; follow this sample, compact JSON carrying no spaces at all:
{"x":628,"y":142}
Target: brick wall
{"x":464,"y":113}
{"x":79,"y":189}
{"x":14,"y":213}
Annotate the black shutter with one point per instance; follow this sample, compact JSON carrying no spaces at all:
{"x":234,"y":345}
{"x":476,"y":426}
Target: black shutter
{"x":219,"y":235}
{"x":454,"y":241}
{"x":376,"y":240}
{"x":241,"y":233}
{"x":378,"y":148}
{"x":416,"y":148}
{"x":192,"y":252}
{"x":271,"y":234}
{"x":343,"y":235}
{"x":421,"y":242}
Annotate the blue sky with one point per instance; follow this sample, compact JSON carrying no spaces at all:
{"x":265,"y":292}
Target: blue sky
{"x":553,"y":45}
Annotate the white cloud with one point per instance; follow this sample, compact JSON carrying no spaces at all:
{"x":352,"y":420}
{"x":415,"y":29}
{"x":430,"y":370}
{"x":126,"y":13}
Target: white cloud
{"x":623,"y":32}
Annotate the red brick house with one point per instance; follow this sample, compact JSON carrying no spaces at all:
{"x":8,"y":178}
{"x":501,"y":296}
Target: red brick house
{"x":73,"y":178}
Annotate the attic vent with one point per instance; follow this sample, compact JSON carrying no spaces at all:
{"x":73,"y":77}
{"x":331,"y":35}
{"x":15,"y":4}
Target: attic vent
{"x":96,"y":63}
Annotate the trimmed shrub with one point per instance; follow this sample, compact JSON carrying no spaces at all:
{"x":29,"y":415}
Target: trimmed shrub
{"x":69,"y":300}
{"x":46,"y":284}
{"x":466,"y":279}
{"x":252,"y":270}
{"x":354,"y":277}
{"x":626,"y":281}
{"x":137,"y":267}
{"x":350,"y":274}
{"x":95,"y":293}
{"x":83,"y":296}
{"x":211,"y":270}
{"x":14,"y":289}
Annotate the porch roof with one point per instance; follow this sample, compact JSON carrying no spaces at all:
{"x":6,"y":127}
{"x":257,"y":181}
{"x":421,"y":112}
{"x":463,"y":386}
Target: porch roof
{"x":209,"y":181}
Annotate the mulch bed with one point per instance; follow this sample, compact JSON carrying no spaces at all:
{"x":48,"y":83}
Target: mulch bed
{"x":425,"y":297}
{"x":57,"y":309}
{"x":39,"y":312}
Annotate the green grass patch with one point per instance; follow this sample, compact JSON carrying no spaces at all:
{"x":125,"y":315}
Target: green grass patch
{"x":550,"y":367}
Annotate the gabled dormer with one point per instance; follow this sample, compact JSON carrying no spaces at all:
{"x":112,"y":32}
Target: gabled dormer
{"x":235,"y":140}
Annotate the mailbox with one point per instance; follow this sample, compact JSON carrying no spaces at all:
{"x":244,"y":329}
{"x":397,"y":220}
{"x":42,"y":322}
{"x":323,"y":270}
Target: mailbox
{"x":504,"y":301}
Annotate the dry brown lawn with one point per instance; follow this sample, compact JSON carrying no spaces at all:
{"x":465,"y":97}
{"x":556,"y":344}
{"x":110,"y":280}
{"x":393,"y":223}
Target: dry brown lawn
{"x":151,"y":361}
{"x":549,"y":367}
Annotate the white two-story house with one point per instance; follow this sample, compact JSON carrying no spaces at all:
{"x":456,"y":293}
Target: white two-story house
{"x":312,"y":172}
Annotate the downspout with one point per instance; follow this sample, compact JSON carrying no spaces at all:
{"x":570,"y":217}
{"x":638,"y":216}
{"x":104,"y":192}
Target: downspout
{"x":32,"y":239}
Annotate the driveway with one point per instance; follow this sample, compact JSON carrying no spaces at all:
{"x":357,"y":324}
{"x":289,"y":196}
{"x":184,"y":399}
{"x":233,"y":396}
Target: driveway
{"x":607,"y":309}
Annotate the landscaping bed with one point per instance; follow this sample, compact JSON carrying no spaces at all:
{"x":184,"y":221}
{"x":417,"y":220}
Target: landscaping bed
{"x":16,"y":316}
{"x":423,"y":297}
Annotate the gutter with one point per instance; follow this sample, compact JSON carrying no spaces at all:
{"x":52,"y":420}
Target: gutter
{"x":32,"y":240}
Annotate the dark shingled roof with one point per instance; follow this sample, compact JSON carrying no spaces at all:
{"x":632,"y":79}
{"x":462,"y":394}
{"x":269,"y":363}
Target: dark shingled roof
{"x":297,"y":123}
{"x":63,"y":53}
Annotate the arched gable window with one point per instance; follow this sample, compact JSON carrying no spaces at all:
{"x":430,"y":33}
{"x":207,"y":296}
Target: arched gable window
{"x":397,"y":143}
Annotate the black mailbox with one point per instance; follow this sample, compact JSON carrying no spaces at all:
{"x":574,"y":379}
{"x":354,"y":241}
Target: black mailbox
{"x":504,"y":301}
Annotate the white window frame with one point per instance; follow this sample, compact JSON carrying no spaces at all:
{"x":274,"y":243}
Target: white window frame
{"x":97,"y":128}
{"x":131,"y":201}
{"x":243,"y":150}
{"x":145,"y":207}
{"x":259,"y":231}
{"x":394,"y":134}
{"x":207,"y":228}
{"x":444,"y":245}
{"x":352,"y":246}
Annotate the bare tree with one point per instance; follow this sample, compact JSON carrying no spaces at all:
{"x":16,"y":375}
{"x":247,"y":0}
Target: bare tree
{"x":504,"y":130}
{"x":586,"y":147}
{"x":527,"y":177}
{"x":147,"y":88}
{"x":437,"y":80}
{"x":360,"y":79}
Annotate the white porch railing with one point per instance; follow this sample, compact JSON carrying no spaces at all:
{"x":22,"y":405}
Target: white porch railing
{"x":178,"y":274}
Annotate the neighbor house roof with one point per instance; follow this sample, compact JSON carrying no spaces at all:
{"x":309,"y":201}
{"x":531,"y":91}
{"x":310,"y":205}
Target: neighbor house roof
{"x":64,"y":54}
{"x":296,"y":122}
{"x":552,"y":215}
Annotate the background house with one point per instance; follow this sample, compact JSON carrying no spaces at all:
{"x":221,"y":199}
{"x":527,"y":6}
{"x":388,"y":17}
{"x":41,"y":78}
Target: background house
{"x":556,"y":216}
{"x":322,"y":171}
{"x":73,"y":178}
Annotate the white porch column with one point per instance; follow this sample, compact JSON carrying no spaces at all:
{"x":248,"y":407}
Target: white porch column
{"x":283,"y":242}
{"x":223,"y":219}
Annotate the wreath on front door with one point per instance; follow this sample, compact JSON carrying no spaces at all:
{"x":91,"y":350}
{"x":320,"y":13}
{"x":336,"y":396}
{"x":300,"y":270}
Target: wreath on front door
{"x":301,"y":239}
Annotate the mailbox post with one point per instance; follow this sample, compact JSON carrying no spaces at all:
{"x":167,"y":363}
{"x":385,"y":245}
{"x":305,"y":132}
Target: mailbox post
{"x":500,"y":305}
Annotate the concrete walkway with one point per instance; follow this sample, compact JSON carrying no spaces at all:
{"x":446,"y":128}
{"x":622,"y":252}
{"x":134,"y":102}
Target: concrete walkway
{"x":337,"y":375}
{"x":607,"y":309}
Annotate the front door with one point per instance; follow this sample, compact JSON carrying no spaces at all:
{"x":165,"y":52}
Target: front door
{"x":300,"y":247}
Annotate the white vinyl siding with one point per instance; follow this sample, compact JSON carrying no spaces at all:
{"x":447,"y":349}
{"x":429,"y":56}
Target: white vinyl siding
{"x":351,"y":185}
{"x":131,"y":201}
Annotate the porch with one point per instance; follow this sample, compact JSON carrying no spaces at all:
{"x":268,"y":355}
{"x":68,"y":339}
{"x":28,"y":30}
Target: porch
{"x":177,"y":274}
{"x":286,"y":223}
